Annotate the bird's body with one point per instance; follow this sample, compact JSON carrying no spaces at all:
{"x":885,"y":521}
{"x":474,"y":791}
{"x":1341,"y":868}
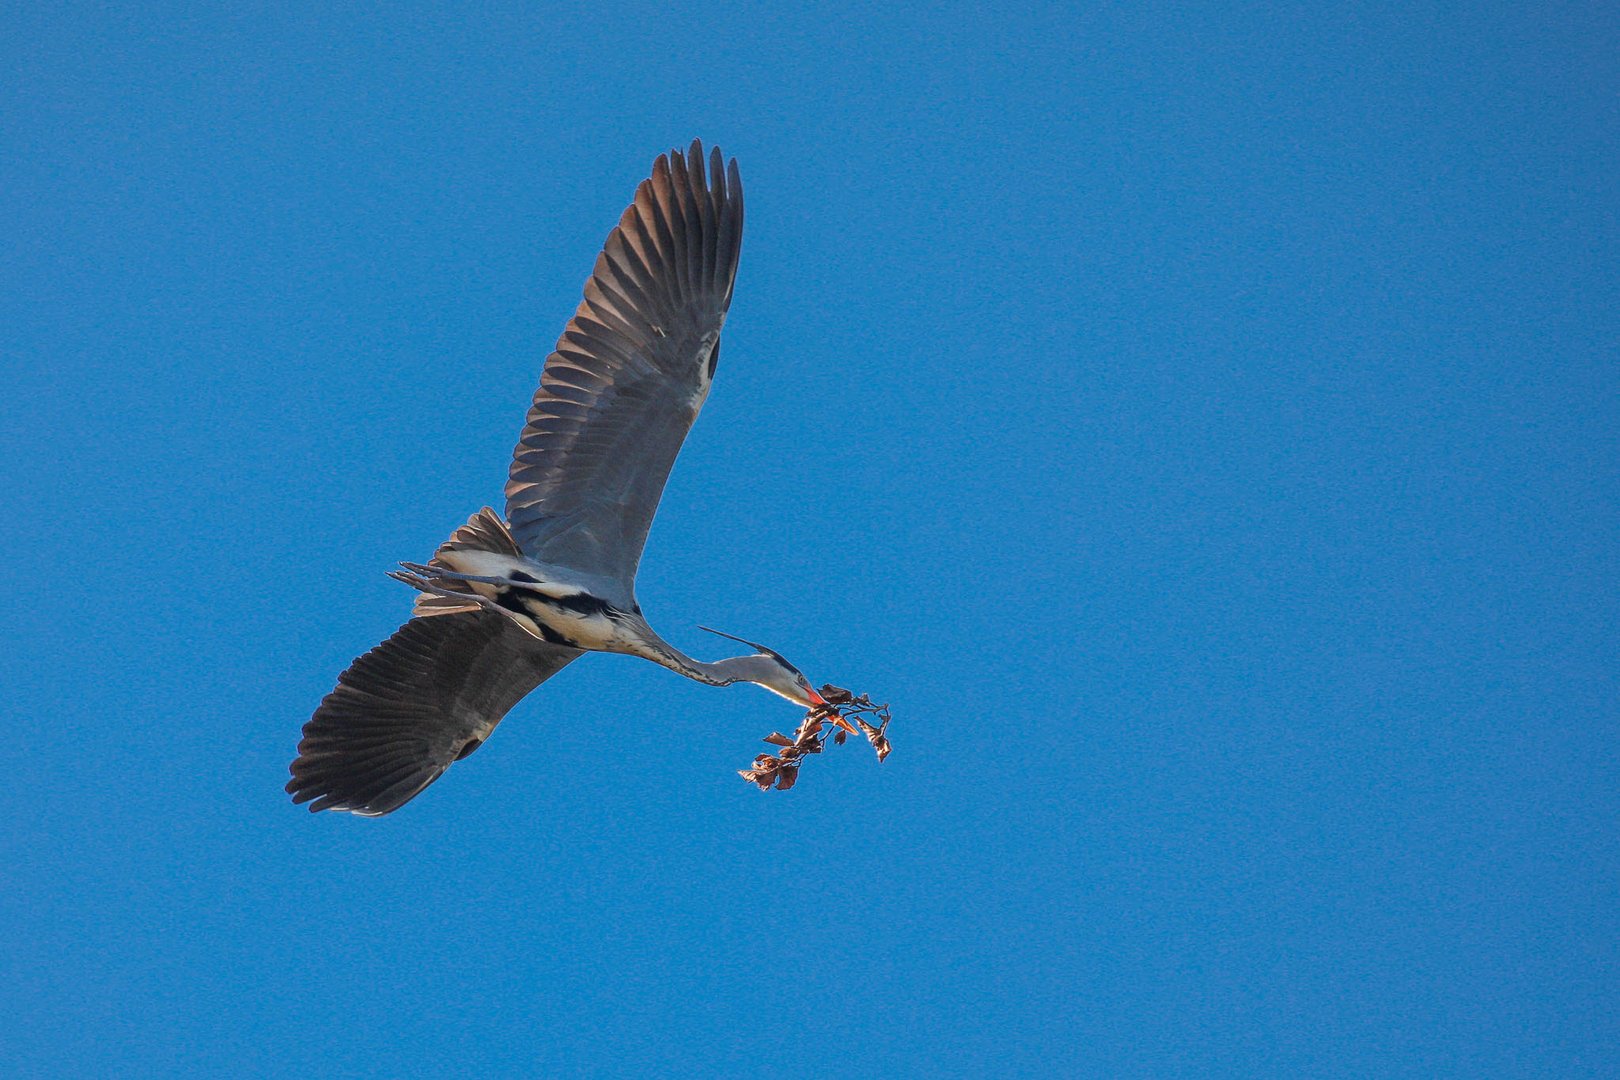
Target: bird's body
{"x":547,"y":601}
{"x":505,"y":604}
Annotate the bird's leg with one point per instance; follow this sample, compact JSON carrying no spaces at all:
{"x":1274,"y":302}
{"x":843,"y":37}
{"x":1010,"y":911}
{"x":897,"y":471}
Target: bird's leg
{"x":430,"y":585}
{"x":440,"y":573}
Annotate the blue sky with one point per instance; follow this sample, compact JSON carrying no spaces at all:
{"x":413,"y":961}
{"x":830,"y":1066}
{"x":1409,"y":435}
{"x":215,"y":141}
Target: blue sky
{"x":1199,"y":421}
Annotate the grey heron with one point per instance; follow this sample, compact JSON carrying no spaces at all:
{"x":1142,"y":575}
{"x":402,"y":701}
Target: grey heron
{"x":506,"y":604}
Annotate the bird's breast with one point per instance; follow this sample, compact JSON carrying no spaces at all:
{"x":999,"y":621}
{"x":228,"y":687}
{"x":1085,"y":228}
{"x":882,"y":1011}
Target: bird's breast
{"x":576,"y":619}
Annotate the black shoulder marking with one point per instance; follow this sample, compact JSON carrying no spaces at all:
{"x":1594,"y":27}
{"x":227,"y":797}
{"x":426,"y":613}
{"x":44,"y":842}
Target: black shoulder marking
{"x":581,"y":604}
{"x":519,"y":575}
{"x":714,"y":357}
{"x":548,"y":634}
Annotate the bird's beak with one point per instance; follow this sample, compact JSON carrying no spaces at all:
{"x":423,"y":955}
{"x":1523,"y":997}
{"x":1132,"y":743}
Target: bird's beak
{"x":817,"y":701}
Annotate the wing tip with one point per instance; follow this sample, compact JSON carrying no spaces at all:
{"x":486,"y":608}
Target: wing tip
{"x":365,"y":791}
{"x":721,"y":176}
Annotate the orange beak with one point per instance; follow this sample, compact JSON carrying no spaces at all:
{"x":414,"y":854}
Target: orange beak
{"x":837,"y":721}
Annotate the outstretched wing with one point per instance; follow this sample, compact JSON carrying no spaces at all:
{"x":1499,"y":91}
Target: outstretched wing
{"x":408,"y":709}
{"x":630,"y":372}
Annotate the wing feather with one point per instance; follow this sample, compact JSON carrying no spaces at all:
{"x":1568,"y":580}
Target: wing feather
{"x":630,"y":371}
{"x":408,"y":709}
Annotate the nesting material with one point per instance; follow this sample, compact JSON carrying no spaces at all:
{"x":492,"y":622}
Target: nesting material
{"x":843,"y":715}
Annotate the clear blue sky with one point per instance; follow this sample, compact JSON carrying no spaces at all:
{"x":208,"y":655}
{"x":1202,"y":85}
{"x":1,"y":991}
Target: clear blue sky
{"x":1201,"y":422}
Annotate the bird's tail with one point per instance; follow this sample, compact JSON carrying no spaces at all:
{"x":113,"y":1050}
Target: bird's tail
{"x":484,"y":531}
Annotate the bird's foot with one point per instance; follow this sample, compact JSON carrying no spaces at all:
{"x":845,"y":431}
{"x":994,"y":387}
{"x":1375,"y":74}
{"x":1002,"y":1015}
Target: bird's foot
{"x":411,"y":574}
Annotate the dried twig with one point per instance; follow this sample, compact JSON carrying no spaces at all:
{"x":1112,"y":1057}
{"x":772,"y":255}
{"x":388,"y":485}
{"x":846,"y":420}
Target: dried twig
{"x":781,"y":769}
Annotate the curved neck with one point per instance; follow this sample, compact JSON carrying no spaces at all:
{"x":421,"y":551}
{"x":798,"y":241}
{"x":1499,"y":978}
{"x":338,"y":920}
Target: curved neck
{"x":721,"y":673}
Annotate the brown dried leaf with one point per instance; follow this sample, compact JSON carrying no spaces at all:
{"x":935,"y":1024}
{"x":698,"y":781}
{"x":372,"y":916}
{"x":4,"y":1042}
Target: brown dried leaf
{"x":836,"y":695}
{"x":875,"y":736}
{"x":753,"y":776}
{"x":841,"y":709}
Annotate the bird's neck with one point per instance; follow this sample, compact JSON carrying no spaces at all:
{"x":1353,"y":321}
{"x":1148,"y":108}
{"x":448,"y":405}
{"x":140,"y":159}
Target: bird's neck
{"x":659,"y":651}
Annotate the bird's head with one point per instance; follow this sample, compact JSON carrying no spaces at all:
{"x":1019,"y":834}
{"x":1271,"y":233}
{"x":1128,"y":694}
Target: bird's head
{"x":770,"y":669}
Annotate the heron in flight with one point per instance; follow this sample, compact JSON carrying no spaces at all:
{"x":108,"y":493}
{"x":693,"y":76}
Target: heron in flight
{"x":505,"y":605}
